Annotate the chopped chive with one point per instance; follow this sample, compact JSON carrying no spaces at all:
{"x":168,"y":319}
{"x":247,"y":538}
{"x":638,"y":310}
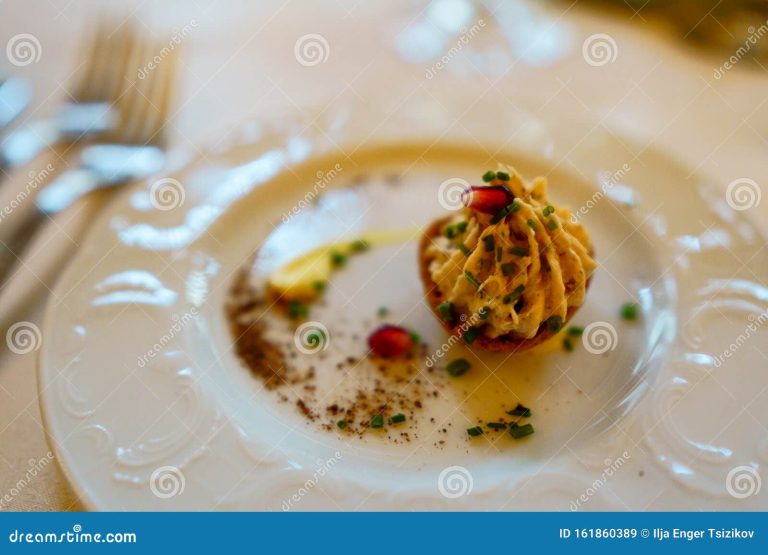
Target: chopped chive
{"x":521,"y":411}
{"x":504,"y":212}
{"x":552,"y":225}
{"x":463,"y":248}
{"x":475,"y":432}
{"x":471,"y":279}
{"x":629,"y":311}
{"x":548,"y":211}
{"x":504,"y":176}
{"x":519,"y":432}
{"x":359,"y":245}
{"x":489,"y":243}
{"x":514,"y":295}
{"x":568,"y":344}
{"x":398,"y":418}
{"x":338,"y":258}
{"x":461,"y":227}
{"x":508,"y":268}
{"x":377,"y":421}
{"x":446,"y":310}
{"x":575,"y":331}
{"x":499,"y":252}
{"x":415,"y":337}
{"x":532,"y":224}
{"x":484,"y":312}
{"x":382,"y":311}
{"x":489,"y":176}
{"x":554,"y":324}
{"x":470,"y":335}
{"x":297,"y":309}
{"x":319,"y":286}
{"x":457,"y":367}
{"x":341,"y":424}
{"x":450,"y":231}
{"x":519,"y":251}
{"x":497,"y":425}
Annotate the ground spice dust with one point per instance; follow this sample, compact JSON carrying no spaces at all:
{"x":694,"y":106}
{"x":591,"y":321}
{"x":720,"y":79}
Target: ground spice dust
{"x":384,"y":388}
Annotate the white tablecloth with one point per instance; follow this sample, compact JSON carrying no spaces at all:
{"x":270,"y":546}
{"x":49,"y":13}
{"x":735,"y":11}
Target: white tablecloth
{"x":239,"y":61}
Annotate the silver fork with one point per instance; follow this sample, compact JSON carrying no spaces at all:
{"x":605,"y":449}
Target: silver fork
{"x":88,"y":109}
{"x":131,"y":151}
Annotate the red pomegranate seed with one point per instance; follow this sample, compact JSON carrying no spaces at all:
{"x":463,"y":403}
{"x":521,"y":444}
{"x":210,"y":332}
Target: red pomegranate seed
{"x":390,"y":341}
{"x":487,"y":199}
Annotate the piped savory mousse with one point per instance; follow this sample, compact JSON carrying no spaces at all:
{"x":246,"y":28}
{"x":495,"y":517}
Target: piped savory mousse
{"x":508,"y":271}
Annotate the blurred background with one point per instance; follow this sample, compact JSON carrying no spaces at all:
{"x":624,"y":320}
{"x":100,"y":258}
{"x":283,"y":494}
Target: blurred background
{"x":688,"y":77}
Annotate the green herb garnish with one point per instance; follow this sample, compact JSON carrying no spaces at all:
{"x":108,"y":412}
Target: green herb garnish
{"x":463,"y":248}
{"x":504,"y":212}
{"x":575,"y":331}
{"x":471,"y":279}
{"x":398,"y":419}
{"x":489,"y":243}
{"x":520,"y":411}
{"x":568,"y":344}
{"x":497,"y":425}
{"x":415,"y":337}
{"x":532,"y":224}
{"x":489,"y":176}
{"x":319,"y":286}
{"x":461,"y":227}
{"x":377,"y":421}
{"x":457,"y":367}
{"x":297,"y":309}
{"x":508,"y":268}
{"x":341,"y":424}
{"x":554,"y":323}
{"x":629,"y":311}
{"x":552,"y":225}
{"x":338,"y":258}
{"x":475,"y":432}
{"x":514,"y":295}
{"x":504,"y":176}
{"x":446,"y":310}
{"x":548,"y":211}
{"x":519,"y":251}
{"x":382,"y":311}
{"x":470,"y":335}
{"x":519,"y":432}
{"x":359,"y":245}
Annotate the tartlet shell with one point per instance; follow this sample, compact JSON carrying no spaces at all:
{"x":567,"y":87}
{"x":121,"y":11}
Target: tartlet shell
{"x":504,"y":343}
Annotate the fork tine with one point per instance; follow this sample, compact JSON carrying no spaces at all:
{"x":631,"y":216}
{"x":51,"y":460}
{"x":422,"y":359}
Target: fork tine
{"x":130,"y":103}
{"x":160,"y":100}
{"x":124,"y":41}
{"x":85,"y":89}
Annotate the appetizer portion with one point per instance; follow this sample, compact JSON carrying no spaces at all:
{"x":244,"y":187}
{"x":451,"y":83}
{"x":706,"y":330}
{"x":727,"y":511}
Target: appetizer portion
{"x":509,"y":270}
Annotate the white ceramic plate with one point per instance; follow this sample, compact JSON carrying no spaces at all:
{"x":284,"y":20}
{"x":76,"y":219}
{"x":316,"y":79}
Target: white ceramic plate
{"x":147,"y":407}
